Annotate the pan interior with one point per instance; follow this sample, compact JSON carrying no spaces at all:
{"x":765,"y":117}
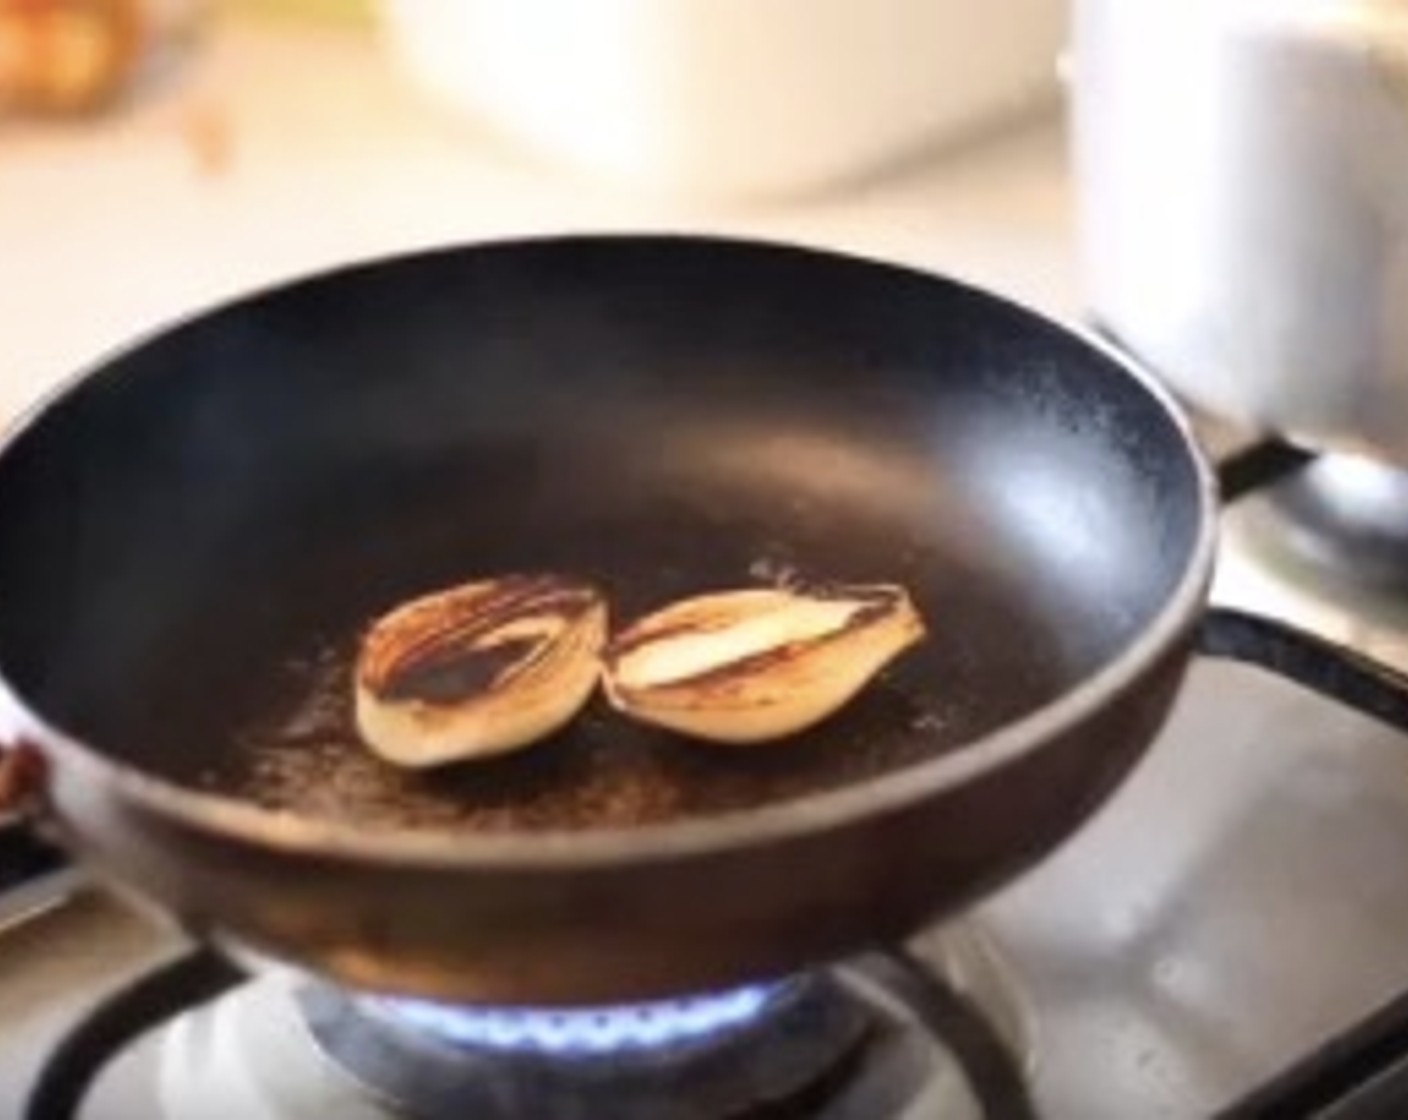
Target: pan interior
{"x":191,"y":540}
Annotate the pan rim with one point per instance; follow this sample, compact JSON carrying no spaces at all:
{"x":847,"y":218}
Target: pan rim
{"x":553,"y":850}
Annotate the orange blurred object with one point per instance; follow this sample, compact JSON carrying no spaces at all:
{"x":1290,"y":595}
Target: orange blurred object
{"x":68,"y":55}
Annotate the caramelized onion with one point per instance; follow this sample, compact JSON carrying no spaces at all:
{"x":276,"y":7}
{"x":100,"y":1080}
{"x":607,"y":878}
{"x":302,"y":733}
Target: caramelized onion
{"x":759,"y":664}
{"x":478,"y":670}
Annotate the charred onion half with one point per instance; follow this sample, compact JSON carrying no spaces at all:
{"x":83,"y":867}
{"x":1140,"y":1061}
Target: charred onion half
{"x":480,"y":669}
{"x":753,"y":665}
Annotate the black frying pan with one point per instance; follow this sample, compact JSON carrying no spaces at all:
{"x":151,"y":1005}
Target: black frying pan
{"x":191,"y":535}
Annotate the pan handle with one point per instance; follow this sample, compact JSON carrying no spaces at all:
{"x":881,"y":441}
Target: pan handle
{"x":35,"y":874}
{"x":21,"y":776}
{"x":1323,"y":666}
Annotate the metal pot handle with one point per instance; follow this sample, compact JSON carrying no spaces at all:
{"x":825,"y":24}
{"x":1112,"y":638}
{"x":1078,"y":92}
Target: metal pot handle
{"x":1368,"y":686}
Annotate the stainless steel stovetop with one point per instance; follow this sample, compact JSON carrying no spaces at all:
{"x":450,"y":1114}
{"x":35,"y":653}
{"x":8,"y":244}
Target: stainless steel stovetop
{"x":1239,"y":904}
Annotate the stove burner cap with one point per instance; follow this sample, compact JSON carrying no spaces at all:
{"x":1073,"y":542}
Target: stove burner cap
{"x":593,"y":1032}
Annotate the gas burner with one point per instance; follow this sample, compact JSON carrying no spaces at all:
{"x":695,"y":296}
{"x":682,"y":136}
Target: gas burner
{"x":574,"y":1033}
{"x":703,"y":1058}
{"x":1347,"y":517}
{"x":890,"y":1037}
{"x":1325,"y":548}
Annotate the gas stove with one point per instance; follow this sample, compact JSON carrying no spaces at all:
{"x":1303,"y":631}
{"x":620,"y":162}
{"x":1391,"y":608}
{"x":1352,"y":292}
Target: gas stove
{"x":1228,"y":936}
{"x":843,"y":1045}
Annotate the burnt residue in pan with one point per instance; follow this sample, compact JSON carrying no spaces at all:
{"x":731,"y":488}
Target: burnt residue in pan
{"x":302,"y":754}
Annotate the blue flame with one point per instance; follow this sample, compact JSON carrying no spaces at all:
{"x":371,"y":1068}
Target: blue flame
{"x":628,"y":1028}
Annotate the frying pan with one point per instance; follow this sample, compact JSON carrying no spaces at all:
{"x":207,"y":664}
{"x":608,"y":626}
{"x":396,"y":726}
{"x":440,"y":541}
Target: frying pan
{"x":192,"y":534}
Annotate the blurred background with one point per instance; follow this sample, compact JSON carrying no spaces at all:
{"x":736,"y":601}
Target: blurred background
{"x":159,"y":155}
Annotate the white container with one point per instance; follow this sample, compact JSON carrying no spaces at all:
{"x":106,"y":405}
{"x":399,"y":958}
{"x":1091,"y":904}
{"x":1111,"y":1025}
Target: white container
{"x":729,"y":96}
{"x":1242,"y":174}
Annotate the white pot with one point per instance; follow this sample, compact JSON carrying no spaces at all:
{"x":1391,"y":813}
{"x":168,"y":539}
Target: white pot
{"x":729,"y":96}
{"x":1242,"y":174}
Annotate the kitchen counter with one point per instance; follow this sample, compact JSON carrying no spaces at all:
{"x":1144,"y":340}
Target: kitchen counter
{"x":283,"y":147}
